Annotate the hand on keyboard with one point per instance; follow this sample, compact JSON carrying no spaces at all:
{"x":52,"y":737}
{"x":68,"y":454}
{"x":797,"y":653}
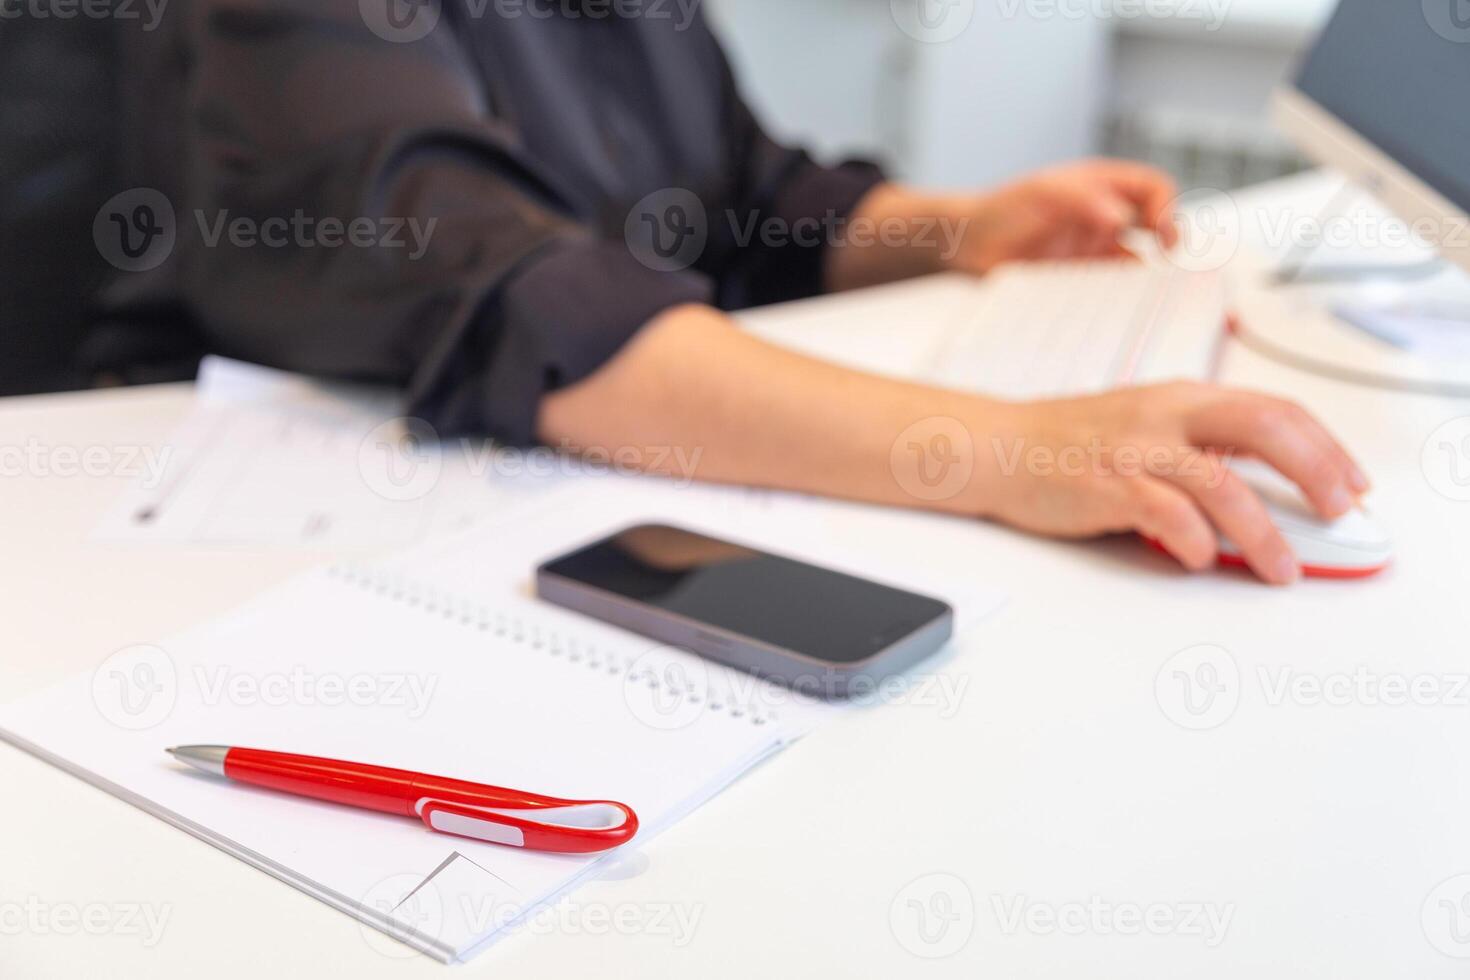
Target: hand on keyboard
{"x":1068,"y":212}
{"x":1152,"y":460}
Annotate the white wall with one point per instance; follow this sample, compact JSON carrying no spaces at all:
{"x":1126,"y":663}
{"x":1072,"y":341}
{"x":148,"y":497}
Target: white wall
{"x":1007,"y":96}
{"x":1004,"y":96}
{"x":1026,"y":83}
{"x":1228,"y":70}
{"x":816,"y":71}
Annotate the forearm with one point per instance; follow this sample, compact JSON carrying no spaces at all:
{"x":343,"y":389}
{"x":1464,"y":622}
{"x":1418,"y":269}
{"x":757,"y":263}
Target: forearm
{"x":751,"y":413}
{"x":895,"y":233}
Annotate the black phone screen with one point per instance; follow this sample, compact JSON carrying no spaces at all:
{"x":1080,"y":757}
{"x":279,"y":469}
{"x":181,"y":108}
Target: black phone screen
{"x":834,"y":617}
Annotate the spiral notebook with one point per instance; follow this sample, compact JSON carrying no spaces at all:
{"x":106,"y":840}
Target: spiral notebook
{"x":440,"y":660}
{"x":354,"y":662}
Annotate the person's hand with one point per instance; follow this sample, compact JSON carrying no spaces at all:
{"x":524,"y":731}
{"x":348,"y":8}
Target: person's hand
{"x":1153,"y":460}
{"x":1070,"y":212}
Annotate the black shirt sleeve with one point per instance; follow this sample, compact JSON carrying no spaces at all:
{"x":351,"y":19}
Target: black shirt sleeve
{"x":807,"y":204}
{"x":490,"y":282}
{"x":479,"y":289}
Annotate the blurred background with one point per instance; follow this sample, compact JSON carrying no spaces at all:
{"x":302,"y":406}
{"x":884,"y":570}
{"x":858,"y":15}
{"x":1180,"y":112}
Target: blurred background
{"x":948,"y":93}
{"x":945,"y":93}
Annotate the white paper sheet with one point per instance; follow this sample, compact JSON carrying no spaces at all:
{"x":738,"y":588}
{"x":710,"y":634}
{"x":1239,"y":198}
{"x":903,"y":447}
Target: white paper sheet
{"x":271,"y":459}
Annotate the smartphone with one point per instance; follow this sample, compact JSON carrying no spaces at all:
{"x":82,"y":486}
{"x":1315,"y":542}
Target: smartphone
{"x":814,"y":629}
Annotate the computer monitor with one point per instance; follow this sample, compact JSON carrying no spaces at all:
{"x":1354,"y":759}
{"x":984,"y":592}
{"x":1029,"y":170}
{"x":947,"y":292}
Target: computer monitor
{"x":1384,"y":97}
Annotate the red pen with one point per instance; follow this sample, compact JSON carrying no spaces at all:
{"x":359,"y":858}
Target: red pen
{"x":450,"y":806}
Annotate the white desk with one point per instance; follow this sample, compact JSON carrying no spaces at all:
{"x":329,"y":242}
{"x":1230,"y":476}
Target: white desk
{"x":1321,"y":830}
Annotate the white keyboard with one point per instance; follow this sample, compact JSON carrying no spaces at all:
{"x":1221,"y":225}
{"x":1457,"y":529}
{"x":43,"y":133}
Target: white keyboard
{"x":1057,"y":329}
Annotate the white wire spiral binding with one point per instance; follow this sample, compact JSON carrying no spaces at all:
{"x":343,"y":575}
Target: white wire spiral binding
{"x":532,"y":634}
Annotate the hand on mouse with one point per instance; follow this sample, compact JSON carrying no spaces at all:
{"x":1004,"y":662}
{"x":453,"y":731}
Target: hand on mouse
{"x":1153,"y":460}
{"x":1143,"y":459}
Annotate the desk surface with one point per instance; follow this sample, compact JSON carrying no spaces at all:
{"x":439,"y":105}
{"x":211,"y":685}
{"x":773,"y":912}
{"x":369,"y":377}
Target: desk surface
{"x":1061,"y":822}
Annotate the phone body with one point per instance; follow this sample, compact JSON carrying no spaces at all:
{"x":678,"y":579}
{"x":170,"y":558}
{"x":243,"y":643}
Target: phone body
{"x":817,"y":630}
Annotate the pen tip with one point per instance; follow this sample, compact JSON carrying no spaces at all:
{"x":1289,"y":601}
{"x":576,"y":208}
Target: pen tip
{"x":209,"y":758}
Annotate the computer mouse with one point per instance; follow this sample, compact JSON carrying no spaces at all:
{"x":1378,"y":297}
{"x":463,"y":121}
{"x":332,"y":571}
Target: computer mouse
{"x":1355,"y":545}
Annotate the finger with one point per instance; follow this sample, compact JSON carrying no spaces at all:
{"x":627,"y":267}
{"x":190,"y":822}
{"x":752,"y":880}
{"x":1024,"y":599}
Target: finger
{"x":1117,"y":250}
{"x":1357,"y":480}
{"x":1288,"y":438}
{"x":1152,"y":192}
{"x":1166,"y":514}
{"x":1238,"y":514}
{"x":1102,"y":246}
{"x":1103,"y":213}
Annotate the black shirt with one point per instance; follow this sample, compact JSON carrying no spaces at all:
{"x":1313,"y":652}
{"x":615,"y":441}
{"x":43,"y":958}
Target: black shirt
{"x":508,"y":170}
